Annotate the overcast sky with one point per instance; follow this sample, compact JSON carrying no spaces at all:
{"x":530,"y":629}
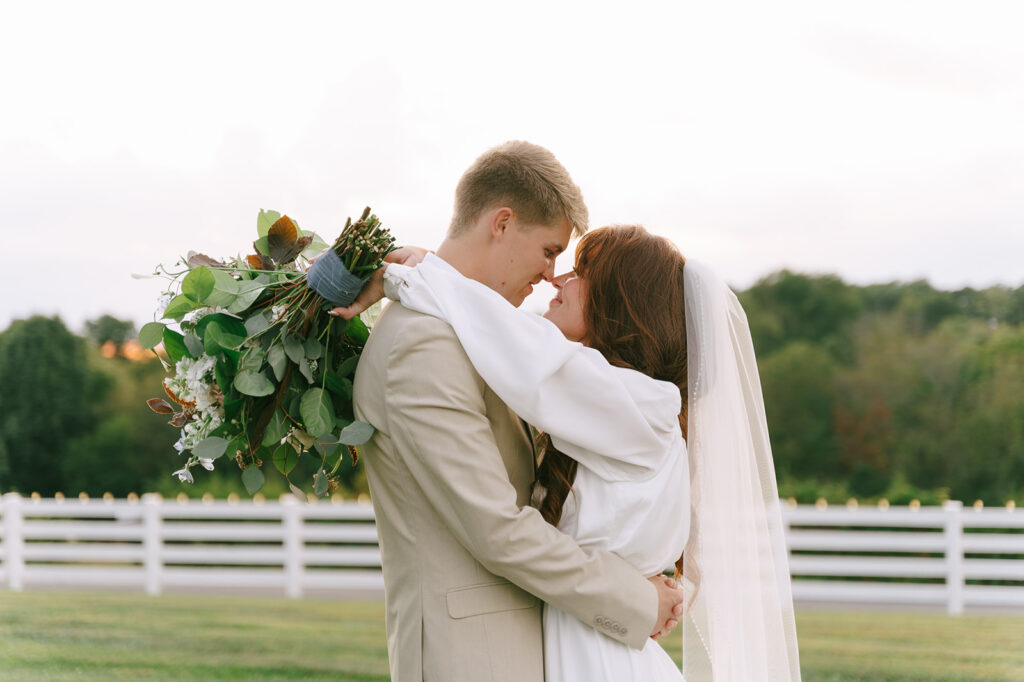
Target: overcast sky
{"x":875,"y":140}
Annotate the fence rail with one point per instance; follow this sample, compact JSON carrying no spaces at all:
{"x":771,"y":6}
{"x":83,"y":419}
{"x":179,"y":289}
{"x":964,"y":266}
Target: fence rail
{"x":941,"y":556}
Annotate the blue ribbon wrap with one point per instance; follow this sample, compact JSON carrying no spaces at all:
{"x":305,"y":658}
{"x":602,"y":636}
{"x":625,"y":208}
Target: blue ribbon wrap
{"x":329,"y":277}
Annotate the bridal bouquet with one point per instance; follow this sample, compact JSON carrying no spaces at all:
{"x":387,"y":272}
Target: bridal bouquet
{"x":257,"y":368}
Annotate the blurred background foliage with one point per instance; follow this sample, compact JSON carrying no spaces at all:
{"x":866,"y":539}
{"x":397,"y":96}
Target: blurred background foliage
{"x":896,"y":391}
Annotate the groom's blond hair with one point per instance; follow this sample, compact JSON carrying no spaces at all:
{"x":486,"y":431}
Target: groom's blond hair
{"x":524,"y":177}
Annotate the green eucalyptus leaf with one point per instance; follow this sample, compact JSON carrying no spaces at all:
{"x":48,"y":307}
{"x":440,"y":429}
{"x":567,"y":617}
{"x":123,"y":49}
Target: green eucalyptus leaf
{"x":296,"y":491}
{"x":320,"y":485}
{"x":253,"y":383}
{"x":198,"y":284}
{"x":194,"y":344}
{"x":211,"y":338}
{"x":265,"y":220}
{"x":295,"y":394}
{"x":278,"y":360}
{"x":174,"y":345}
{"x":262,"y":246}
{"x":253,"y":479}
{"x":348,"y":366}
{"x":178,"y":306}
{"x":356,"y":433}
{"x":293,"y":347}
{"x":313,"y":348}
{"x":316,"y":246}
{"x":238,"y":444}
{"x":276,"y":429}
{"x":339,"y":386}
{"x":326,"y":449}
{"x":305,"y":371}
{"x":216,"y":339}
{"x":222,"y":373}
{"x":357,"y":331}
{"x":210,"y":448}
{"x":285,"y":458}
{"x":225,"y":290}
{"x":227,"y":322}
{"x":257,"y":324}
{"x":317,"y":413}
{"x":231,"y":341}
{"x":252,"y":359}
{"x":151,"y":334}
{"x":248,"y":292}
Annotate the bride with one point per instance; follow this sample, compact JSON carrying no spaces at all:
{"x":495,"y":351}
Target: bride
{"x":684,"y":479}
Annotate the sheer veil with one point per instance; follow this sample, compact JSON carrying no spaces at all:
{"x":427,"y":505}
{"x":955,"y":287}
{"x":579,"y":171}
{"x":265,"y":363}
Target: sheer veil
{"x":740,"y":626}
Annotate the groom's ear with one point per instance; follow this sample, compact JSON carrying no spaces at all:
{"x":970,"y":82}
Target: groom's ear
{"x":501,"y":222}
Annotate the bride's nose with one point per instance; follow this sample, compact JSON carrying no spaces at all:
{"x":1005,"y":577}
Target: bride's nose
{"x":559,"y":282}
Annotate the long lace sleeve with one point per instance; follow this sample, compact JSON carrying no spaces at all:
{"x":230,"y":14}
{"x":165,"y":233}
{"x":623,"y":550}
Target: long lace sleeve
{"x":617,"y":422}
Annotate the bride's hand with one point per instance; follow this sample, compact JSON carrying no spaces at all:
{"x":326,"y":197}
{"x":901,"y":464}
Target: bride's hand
{"x":371,"y":292}
{"x":670,"y":605}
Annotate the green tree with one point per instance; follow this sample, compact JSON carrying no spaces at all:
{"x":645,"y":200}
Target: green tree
{"x":986,"y":453}
{"x":110,"y":329}
{"x":5,"y":471}
{"x":800,"y":393}
{"x":788,"y":306}
{"x":129,"y":448}
{"x":46,"y":401}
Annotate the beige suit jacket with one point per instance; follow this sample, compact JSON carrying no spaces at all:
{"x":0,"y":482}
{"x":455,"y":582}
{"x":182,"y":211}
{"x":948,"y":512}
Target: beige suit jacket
{"x":450,"y":472}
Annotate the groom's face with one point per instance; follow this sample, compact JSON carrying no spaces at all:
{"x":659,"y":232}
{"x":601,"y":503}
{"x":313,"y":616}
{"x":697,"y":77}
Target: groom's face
{"x":526,"y":255}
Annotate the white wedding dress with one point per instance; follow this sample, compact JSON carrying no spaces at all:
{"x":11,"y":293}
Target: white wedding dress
{"x":631,"y":492}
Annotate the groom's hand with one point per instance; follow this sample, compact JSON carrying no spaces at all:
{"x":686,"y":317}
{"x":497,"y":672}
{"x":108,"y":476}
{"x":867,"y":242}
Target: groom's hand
{"x":670,"y":605}
{"x":407,"y":255}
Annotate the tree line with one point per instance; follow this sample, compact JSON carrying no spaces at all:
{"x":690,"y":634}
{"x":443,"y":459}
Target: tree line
{"x":892,"y":390}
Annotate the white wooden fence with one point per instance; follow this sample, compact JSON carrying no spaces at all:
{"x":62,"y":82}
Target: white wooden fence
{"x":156,"y":545}
{"x":945,"y":555}
{"x":936,"y":556}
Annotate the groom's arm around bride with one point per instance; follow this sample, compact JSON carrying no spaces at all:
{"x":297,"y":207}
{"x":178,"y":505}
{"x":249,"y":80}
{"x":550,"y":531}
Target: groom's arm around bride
{"x":451,"y":472}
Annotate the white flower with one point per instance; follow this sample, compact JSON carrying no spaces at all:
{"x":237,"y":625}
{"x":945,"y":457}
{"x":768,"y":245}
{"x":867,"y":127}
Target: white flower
{"x":207,"y":463}
{"x":194,"y":316}
{"x":207,"y":400}
{"x":164,"y":300}
{"x":277,"y":312}
{"x":184,"y":475}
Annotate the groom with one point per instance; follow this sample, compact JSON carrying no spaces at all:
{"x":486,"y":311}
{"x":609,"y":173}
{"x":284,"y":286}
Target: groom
{"x":466,"y":560}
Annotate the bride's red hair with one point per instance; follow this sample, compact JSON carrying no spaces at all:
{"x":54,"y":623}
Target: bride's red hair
{"x":635,"y":316}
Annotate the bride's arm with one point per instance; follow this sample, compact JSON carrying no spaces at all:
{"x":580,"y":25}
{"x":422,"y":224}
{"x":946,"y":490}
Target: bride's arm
{"x":615,"y":421}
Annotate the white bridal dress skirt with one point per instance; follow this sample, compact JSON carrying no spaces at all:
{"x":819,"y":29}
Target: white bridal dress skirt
{"x":574,"y":652}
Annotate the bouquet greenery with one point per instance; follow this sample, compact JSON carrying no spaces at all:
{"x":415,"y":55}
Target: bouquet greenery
{"x":257,"y":368}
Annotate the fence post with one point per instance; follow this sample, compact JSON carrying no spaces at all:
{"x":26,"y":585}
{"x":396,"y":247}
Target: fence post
{"x":14,"y":542}
{"x":152,"y":542}
{"x":954,"y":532}
{"x":291,"y":521}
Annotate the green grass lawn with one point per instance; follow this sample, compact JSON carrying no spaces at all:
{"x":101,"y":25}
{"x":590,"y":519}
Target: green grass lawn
{"x":102,"y":636}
